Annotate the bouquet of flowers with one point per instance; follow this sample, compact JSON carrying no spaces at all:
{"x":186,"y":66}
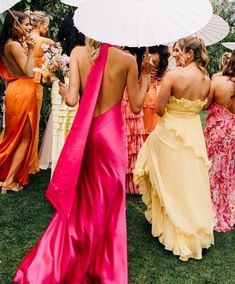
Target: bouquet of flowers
{"x":55,"y":63}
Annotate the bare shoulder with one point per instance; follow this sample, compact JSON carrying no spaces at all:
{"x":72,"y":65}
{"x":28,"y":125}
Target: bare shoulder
{"x":218,"y":80}
{"x":173,"y":74}
{"x":13,"y":45}
{"x":119,"y":53}
{"x":79,"y":51}
{"x":47,"y":40}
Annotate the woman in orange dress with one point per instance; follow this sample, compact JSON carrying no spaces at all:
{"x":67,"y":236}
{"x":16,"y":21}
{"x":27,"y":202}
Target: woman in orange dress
{"x":40,"y":23}
{"x":160,"y":55}
{"x":16,"y":67}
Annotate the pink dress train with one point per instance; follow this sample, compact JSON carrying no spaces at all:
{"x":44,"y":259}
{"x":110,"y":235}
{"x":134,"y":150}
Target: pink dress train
{"x":134,"y":126}
{"x":86,"y":239}
{"x":220,"y":141}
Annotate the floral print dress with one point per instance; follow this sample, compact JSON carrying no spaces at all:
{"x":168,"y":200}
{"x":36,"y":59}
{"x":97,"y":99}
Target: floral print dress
{"x":220,"y":141}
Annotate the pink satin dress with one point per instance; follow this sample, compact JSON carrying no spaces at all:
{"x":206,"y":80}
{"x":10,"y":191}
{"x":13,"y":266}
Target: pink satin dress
{"x":86,"y":240}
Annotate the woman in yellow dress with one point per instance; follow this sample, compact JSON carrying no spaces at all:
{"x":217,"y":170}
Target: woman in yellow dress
{"x":40,"y":23}
{"x":172,"y":166}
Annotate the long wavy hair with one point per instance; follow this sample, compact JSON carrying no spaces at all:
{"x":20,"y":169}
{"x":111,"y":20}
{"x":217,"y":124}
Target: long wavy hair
{"x":8,"y":30}
{"x":93,"y":48}
{"x":37,"y":17}
{"x":200,"y":55}
{"x":224,"y":60}
{"x":164,"y":55}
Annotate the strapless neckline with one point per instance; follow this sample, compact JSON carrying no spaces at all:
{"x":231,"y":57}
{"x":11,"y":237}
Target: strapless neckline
{"x":187,"y":100}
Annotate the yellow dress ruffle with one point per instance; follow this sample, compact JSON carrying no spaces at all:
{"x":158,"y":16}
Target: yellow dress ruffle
{"x":172,"y":171}
{"x":62,"y":120}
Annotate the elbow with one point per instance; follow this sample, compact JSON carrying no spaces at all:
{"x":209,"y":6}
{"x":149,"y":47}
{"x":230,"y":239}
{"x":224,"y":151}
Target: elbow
{"x":71,"y":103}
{"x":136,"y":109}
{"x":159,"y":112}
{"x":30,"y":75}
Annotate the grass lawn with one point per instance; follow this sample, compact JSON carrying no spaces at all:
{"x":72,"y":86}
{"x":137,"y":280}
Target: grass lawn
{"x":25,"y":215}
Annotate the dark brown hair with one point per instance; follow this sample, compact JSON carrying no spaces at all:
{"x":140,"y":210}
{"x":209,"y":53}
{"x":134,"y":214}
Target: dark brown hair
{"x":8,"y":30}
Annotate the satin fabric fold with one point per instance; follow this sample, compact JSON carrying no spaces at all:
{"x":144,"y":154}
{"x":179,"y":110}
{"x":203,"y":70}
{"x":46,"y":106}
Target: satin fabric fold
{"x":86,"y":239}
{"x":62,"y":187}
{"x":34,"y":161}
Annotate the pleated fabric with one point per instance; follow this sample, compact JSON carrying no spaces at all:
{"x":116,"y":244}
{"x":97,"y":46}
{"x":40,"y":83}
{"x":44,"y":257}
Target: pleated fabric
{"x":172,"y":171}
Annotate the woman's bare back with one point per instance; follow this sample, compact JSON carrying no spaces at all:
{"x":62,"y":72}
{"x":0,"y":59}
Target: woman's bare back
{"x":114,"y":79}
{"x":190,"y":84}
{"x":223,"y":89}
{"x":9,"y":59}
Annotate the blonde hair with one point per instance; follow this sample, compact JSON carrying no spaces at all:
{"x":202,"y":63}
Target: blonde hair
{"x":37,"y":17}
{"x":200,"y":55}
{"x":224,"y":60}
{"x":93,"y":48}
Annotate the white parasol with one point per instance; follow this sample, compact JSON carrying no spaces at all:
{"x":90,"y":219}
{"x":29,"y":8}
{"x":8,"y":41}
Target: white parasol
{"x":229,"y":45}
{"x":216,"y":30}
{"x":141,"y":22}
{"x":7,"y":4}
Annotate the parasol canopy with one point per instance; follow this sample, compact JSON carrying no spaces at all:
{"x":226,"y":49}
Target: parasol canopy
{"x":138,"y":23}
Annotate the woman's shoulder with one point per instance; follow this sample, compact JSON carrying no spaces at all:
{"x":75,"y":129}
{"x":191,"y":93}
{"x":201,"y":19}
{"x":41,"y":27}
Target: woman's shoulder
{"x":13,"y":44}
{"x":46,"y":40}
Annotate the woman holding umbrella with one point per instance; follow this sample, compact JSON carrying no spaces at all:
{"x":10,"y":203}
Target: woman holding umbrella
{"x":86,"y":239}
{"x":16,"y":67}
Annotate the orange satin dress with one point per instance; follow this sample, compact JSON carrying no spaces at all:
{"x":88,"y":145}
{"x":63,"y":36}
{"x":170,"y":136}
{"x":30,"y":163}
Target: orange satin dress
{"x":21,"y":103}
{"x":150,"y":116}
{"x":34,"y":161}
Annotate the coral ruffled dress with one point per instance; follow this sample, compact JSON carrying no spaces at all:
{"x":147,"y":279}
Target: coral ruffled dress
{"x":172,"y":171}
{"x":134,"y":126}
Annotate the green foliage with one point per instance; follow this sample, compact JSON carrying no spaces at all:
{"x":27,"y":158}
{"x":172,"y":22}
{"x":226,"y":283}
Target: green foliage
{"x":215,"y":52}
{"x":54,"y":9}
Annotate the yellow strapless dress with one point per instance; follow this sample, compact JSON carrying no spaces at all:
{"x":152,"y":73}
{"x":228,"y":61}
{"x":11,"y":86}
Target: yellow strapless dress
{"x":172,"y":171}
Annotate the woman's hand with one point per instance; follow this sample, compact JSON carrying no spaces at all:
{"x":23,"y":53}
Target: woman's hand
{"x":63,"y":91}
{"x":30,"y":41}
{"x":147,"y":64}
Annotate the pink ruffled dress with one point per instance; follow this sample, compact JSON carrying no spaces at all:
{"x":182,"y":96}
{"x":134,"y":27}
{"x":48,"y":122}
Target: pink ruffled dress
{"x":134,"y":127}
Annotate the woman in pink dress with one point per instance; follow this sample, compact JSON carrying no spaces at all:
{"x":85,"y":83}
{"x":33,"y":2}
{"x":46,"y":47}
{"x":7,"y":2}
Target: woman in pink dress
{"x":86,"y":239}
{"x":220,"y":140}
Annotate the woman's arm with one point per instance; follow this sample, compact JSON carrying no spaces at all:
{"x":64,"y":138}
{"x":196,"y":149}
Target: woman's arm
{"x":137,"y":94}
{"x":164,"y":94}
{"x":24,"y":61}
{"x":70,"y":94}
